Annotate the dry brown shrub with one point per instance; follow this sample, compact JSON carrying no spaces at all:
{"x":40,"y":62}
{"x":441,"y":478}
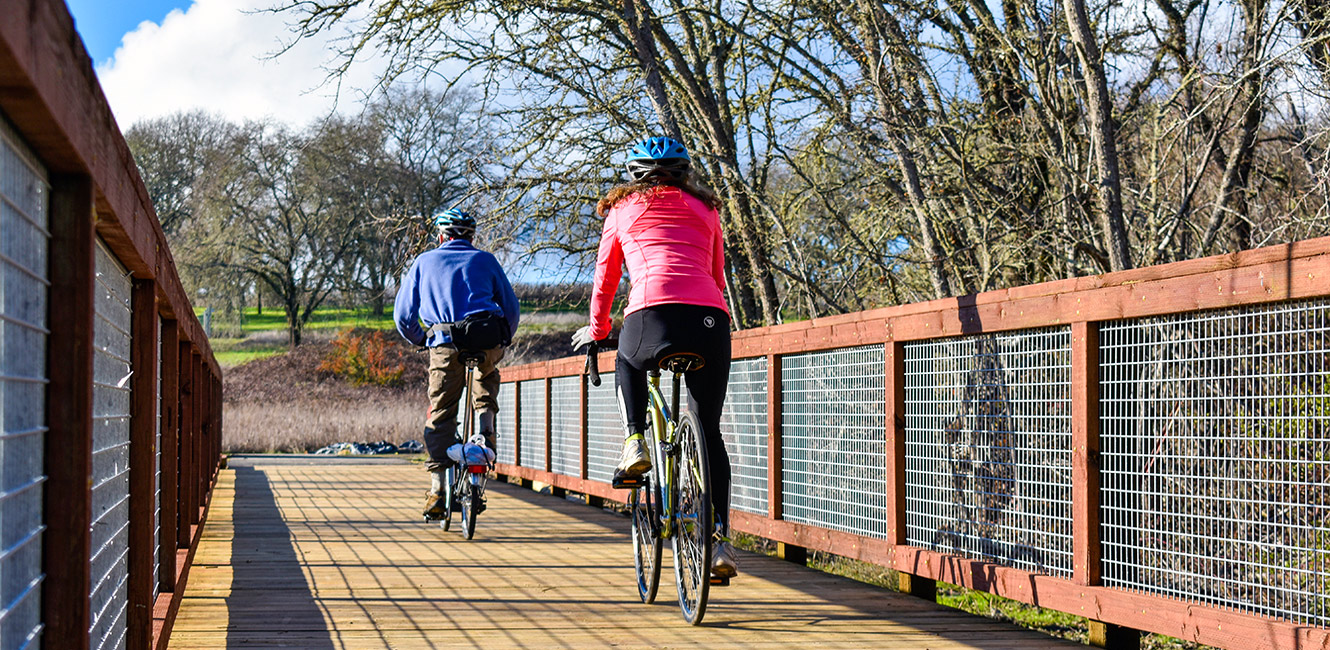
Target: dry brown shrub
{"x":304,"y":427}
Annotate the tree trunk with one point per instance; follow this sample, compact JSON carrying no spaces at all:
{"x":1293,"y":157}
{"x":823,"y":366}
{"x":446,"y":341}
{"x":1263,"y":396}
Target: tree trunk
{"x":645,"y":49}
{"x":1237,"y":174}
{"x":1099,"y":111}
{"x":293,"y":323}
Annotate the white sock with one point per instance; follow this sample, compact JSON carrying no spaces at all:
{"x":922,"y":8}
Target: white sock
{"x":436,"y":482}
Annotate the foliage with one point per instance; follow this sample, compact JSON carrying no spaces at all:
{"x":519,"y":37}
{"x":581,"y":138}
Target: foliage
{"x":882,"y":151}
{"x":262,"y":211}
{"x":364,"y":358}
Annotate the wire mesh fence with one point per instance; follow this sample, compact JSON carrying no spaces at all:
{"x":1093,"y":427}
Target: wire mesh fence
{"x":1216,"y":457}
{"x":533,"y":423}
{"x":506,"y":425}
{"x":110,"y":452}
{"x":988,"y":448}
{"x":566,"y":426}
{"x":24,"y":289}
{"x":604,"y":430}
{"x":744,"y":426}
{"x":834,"y":451}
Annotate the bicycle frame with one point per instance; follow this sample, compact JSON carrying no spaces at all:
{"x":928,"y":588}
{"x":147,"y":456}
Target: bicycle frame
{"x":663,"y":427}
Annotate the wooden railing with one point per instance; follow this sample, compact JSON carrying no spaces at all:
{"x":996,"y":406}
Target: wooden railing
{"x":111,"y":395}
{"x":1147,"y":449}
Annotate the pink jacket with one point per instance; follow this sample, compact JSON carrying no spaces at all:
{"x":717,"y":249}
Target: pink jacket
{"x":672,"y":244}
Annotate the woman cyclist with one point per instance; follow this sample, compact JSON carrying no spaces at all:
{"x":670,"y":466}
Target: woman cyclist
{"x":664,"y":225}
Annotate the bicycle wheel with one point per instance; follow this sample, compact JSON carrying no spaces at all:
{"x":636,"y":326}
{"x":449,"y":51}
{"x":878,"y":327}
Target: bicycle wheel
{"x":470,"y":507}
{"x":694,"y":526}
{"x":646,"y":540}
{"x":448,"y":497}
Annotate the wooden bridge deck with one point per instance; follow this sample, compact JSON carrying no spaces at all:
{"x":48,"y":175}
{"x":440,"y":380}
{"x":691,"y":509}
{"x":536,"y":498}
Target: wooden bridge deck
{"x":333,"y":555}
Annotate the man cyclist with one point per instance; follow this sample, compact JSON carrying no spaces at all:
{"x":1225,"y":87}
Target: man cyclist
{"x":447,"y":284}
{"x":664,"y":225}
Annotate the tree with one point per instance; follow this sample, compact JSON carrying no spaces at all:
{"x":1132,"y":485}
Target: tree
{"x":279,"y":211}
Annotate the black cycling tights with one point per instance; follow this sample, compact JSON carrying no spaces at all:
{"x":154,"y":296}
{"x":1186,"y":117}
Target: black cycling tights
{"x":652,"y":332}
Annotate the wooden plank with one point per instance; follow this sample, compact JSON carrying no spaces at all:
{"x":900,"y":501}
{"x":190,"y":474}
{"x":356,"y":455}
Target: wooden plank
{"x":142,"y":462}
{"x":170,"y":406}
{"x":541,"y":572}
{"x":167,"y":605}
{"x":1085,"y":452}
{"x":67,"y":496}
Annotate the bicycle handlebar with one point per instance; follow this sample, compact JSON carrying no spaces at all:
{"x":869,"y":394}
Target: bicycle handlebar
{"x":595,"y":347}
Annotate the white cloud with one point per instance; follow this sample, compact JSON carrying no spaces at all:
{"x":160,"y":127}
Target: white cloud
{"x":218,"y":56}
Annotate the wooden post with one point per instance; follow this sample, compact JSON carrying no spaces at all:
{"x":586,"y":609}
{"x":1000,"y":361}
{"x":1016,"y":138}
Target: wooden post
{"x":894,"y":374}
{"x":549,"y":424}
{"x":142,"y":461}
{"x":894,"y":370}
{"x":775,"y":493}
{"x":200,"y":420}
{"x":170,"y":454}
{"x":67,"y":496}
{"x":792,"y":553}
{"x":1085,"y":493}
{"x":1085,"y":452}
{"x":517,"y":423}
{"x":585,"y":418}
{"x":184,"y":477}
{"x":1113,"y":637}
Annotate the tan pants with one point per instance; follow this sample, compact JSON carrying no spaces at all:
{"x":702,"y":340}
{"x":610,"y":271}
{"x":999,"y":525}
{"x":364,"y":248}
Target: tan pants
{"x":447,"y":374}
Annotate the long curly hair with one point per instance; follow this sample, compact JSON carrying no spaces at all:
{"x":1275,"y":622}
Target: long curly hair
{"x":649,"y":187}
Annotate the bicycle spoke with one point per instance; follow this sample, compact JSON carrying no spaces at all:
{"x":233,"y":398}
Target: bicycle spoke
{"x":692,"y":550}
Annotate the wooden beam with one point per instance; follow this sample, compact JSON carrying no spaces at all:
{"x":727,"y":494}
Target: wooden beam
{"x":142,"y":461}
{"x":67,"y":495}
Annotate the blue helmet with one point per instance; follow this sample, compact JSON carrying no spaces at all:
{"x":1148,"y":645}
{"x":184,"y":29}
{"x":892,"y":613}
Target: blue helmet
{"x":662,"y":158}
{"x":455,"y":223}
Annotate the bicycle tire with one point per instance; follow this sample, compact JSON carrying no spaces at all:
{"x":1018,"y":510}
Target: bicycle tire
{"x":448,"y":498}
{"x":646,"y":541}
{"x":470,"y":508}
{"x":694,"y":525}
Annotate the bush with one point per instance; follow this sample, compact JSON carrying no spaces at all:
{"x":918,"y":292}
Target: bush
{"x":364,"y":357}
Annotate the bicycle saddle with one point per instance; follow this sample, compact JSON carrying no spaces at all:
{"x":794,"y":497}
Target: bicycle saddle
{"x":681,"y":362}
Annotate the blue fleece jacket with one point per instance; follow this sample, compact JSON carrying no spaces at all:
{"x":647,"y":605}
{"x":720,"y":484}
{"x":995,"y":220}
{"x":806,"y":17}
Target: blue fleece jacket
{"x":448,"y":284}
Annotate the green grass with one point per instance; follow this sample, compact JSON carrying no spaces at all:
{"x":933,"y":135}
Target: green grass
{"x":322,"y":319}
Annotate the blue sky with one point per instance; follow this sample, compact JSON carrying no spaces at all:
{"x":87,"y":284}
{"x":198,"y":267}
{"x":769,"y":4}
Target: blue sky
{"x":102,"y":23}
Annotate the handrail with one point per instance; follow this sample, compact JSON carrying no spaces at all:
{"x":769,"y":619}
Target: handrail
{"x":1100,"y":446}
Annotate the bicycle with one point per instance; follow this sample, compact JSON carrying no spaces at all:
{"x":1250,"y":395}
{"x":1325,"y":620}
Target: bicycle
{"x":679,"y":509}
{"x":465,"y":481}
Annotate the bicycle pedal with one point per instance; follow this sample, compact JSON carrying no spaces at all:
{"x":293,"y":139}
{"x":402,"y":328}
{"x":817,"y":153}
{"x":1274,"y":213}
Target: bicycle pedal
{"x":628,"y":482}
{"x":720,"y":581}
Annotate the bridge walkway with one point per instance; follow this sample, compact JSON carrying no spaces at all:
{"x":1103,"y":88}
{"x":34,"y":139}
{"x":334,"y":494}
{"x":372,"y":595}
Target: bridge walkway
{"x":328,"y":554}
